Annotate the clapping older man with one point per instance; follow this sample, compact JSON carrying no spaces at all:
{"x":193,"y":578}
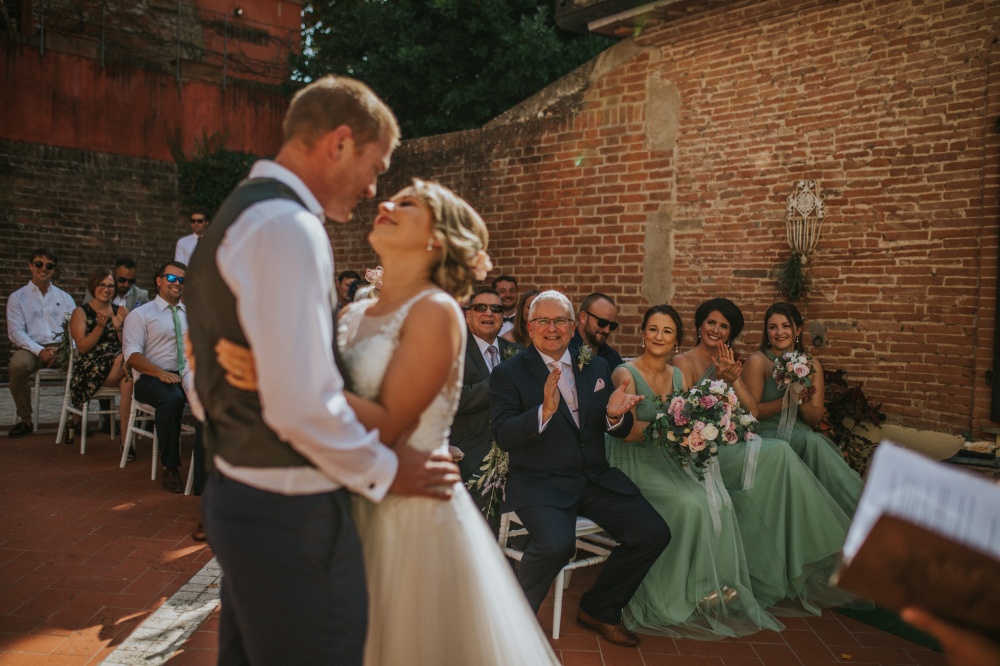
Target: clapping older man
{"x":550,"y":412}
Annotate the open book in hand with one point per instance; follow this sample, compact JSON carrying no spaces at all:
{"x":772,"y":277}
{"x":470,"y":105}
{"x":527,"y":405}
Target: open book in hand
{"x":928,"y":535}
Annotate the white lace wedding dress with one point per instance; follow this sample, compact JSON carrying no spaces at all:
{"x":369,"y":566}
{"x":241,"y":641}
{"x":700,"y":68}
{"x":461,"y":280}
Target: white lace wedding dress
{"x":441,"y":592}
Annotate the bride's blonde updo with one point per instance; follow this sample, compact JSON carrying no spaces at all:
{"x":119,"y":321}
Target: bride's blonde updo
{"x":463,"y":237}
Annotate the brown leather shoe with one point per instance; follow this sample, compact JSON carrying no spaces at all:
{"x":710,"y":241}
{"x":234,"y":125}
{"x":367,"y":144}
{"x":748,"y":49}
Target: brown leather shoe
{"x":613,"y":633}
{"x":199,"y":533}
{"x":172,"y":480}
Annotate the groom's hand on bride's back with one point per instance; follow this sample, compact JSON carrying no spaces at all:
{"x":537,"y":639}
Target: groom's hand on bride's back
{"x":427,"y":474}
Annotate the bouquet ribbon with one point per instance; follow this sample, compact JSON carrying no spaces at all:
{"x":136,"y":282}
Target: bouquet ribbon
{"x":715,"y":491}
{"x":750,"y":461}
{"x":789,"y":411}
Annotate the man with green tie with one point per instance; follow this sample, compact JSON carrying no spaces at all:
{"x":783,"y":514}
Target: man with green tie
{"x":154,"y":348}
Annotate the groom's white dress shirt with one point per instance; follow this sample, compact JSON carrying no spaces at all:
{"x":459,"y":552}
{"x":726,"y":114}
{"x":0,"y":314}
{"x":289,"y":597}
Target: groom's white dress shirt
{"x":277,"y":261}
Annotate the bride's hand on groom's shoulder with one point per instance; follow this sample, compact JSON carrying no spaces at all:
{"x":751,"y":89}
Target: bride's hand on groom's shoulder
{"x":423,"y":473}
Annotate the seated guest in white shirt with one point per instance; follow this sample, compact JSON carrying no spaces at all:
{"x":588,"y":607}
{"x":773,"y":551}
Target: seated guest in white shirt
{"x":154,"y":346}
{"x":187,"y":244}
{"x":35,"y":316}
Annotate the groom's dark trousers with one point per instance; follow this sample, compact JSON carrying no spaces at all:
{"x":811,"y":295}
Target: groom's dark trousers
{"x":561,"y":473}
{"x":309,"y":546}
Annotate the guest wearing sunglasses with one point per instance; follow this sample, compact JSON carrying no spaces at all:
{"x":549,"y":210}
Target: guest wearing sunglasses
{"x":35,"y":316}
{"x":186,"y":245}
{"x":471,"y":430}
{"x":154,"y":348}
{"x":597,"y":319}
{"x":127,"y":292}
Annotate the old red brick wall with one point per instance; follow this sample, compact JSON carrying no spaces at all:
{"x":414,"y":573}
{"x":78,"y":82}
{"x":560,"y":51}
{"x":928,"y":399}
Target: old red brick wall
{"x":688,"y":148}
{"x":90,"y":108}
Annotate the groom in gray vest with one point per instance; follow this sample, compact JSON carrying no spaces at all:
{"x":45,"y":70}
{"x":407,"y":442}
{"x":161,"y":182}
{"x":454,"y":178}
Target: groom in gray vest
{"x":282,"y":460}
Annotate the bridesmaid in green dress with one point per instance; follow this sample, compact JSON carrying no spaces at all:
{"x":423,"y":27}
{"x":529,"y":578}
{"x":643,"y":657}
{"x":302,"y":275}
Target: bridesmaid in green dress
{"x":700,"y":586}
{"x":792,"y":528}
{"x":782,"y":328}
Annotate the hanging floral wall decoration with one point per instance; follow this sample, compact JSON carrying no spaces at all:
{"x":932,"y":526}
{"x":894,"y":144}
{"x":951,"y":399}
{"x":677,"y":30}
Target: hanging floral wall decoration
{"x":804,"y":216}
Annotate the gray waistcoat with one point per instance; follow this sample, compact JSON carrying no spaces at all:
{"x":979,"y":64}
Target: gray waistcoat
{"x":234,"y":428}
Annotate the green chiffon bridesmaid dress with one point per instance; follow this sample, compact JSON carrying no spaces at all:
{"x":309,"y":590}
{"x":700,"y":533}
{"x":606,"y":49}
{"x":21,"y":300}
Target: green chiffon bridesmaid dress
{"x":820,"y":454}
{"x":792,"y":528}
{"x":689,"y":591}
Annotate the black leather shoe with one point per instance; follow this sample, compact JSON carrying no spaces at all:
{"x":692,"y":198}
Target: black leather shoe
{"x":20,"y":430}
{"x":613,"y":633}
{"x":172,"y":480}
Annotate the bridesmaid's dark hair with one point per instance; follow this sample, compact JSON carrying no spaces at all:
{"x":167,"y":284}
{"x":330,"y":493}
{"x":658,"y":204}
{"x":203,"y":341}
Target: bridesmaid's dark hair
{"x":670,"y":312}
{"x":793,"y":315}
{"x":728,"y":310}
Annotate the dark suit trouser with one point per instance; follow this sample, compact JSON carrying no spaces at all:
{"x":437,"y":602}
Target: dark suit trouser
{"x":629,"y":519}
{"x":169,"y":401}
{"x":293,"y":588}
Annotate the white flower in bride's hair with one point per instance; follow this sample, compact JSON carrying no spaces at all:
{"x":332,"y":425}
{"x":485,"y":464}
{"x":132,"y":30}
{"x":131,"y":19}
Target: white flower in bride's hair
{"x":481,"y":265}
{"x":374,"y":276}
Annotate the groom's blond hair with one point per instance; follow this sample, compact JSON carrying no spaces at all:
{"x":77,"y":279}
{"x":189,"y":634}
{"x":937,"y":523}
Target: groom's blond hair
{"x":332,"y":101}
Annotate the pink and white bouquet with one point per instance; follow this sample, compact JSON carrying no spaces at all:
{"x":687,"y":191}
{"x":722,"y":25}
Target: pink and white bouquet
{"x":694,"y":424}
{"x":793,"y":367}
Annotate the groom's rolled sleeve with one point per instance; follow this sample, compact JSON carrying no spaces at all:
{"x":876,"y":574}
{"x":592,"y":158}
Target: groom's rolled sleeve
{"x":286,"y":314}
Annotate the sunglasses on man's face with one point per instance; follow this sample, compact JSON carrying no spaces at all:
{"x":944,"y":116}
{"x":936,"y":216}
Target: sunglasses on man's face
{"x":483,"y":307}
{"x":201,"y":221}
{"x":46,"y":265}
{"x":122,"y":280}
{"x":171,"y":278}
{"x":604,"y":323}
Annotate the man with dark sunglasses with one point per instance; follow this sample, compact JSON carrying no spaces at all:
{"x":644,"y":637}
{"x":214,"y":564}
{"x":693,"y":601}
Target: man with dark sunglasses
{"x":127,"y":292}
{"x":186,"y":245}
{"x":153,"y":344}
{"x":597,"y":319}
{"x":35,"y":316}
{"x":471,"y":430}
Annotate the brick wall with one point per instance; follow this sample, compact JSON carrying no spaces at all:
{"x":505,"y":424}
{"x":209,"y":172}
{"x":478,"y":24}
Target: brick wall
{"x":664,"y":178}
{"x":90,"y":208}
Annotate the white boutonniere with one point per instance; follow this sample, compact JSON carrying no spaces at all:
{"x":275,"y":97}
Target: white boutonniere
{"x":584,"y":357}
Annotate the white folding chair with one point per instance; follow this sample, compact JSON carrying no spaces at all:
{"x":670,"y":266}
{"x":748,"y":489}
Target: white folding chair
{"x":590,"y":537}
{"x":140,"y":422}
{"x":45,"y":378}
{"x":105,"y":392}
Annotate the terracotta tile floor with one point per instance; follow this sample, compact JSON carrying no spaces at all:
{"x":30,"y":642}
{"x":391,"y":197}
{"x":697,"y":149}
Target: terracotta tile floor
{"x":88,"y":550}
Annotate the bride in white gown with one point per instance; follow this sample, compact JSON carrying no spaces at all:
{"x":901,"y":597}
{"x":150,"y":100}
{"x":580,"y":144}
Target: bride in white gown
{"x":440,"y":589}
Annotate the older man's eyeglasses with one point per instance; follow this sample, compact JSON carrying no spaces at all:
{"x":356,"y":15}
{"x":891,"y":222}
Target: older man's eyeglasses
{"x":560,"y":322}
{"x":47,"y":265}
{"x":171,"y":278}
{"x":483,"y":307}
{"x":602,"y":322}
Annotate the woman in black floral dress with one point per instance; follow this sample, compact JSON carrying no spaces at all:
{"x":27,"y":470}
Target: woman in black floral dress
{"x":96,"y":328}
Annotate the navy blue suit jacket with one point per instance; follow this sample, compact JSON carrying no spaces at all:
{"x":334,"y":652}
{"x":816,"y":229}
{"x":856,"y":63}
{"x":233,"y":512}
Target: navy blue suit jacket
{"x":552,"y":468}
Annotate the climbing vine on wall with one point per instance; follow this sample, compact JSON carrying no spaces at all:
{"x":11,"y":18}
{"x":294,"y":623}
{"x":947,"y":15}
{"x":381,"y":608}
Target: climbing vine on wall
{"x":208,"y":176}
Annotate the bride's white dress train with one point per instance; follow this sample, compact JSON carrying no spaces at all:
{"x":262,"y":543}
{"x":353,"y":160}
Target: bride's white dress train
{"x":440,"y":590}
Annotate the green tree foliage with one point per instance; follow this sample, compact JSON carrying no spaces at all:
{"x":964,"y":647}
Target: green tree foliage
{"x":442,"y":65}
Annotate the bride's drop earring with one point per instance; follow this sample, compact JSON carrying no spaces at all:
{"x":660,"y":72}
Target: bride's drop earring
{"x":699,"y":337}
{"x":430,"y":245}
{"x":677,"y":349}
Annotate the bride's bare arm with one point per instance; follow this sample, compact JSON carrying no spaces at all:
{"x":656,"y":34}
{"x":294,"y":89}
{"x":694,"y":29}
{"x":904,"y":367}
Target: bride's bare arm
{"x":429,"y":343}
